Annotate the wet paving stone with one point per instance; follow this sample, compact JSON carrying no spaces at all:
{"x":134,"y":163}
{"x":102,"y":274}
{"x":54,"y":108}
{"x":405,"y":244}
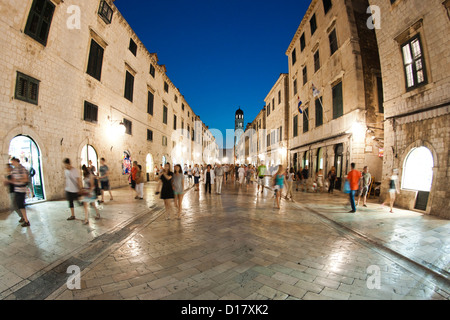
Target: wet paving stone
{"x":239,"y":246}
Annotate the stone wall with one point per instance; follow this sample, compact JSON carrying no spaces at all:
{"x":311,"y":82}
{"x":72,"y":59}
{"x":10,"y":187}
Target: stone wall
{"x":417,"y":117}
{"x":56,"y":124}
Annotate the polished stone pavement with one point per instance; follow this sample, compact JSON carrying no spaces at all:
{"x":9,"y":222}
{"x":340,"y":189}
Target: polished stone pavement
{"x":236,"y":246}
{"x":233,"y":246}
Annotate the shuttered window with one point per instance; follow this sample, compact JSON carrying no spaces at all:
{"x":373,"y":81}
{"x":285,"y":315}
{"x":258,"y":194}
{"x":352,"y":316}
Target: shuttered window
{"x":316,"y":61}
{"x":129,"y":86}
{"x":105,"y":12}
{"x":333,"y":41}
{"x":90,"y":112}
{"x":165,"y":115}
{"x":27,"y":88}
{"x":295,"y":126}
{"x":39,"y":20}
{"x":149,"y":135}
{"x":302,"y":42}
{"x":338,"y":107}
{"x":150,"y":103}
{"x":306,"y":120}
{"x":133,"y":47}
{"x":152,"y":70}
{"x":319,"y":112}
{"x":95,"y":62}
{"x":313,"y":24}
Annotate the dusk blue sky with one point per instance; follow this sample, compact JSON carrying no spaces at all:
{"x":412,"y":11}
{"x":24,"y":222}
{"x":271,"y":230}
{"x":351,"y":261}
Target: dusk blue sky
{"x":220,"y":54}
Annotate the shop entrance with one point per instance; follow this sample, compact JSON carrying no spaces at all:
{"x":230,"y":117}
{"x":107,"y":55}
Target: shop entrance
{"x":27,"y":151}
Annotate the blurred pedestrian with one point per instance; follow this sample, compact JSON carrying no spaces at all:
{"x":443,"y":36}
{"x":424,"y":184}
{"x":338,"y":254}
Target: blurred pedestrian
{"x":332,"y":179}
{"x":178,"y":188}
{"x":219,"y":172}
{"x":139,"y":183}
{"x":196,"y":172}
{"x":208,"y":178}
{"x":166,"y":189}
{"x":104,"y":180}
{"x":289,"y":183}
{"x":298,"y":179}
{"x":353,"y":177}
{"x":394,"y":189}
{"x":10,"y":187}
{"x":366,"y":181}
{"x":73,"y":186}
{"x":88,"y":193}
{"x":20,"y":179}
{"x":278,"y":180}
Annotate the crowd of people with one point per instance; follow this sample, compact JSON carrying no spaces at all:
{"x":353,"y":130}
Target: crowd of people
{"x":87,"y":187}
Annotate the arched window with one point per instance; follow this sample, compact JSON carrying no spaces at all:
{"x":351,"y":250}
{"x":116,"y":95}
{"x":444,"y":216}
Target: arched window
{"x":418,"y":170}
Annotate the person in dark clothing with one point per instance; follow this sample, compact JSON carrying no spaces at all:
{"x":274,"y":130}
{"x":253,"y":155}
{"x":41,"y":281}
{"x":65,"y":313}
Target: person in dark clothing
{"x":332,"y":178}
{"x":305,"y":174}
{"x":166,"y":189}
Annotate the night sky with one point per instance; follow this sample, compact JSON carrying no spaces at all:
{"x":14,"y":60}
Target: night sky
{"x":221,"y":54}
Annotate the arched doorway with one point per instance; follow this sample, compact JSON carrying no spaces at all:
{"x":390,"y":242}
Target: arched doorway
{"x":418,"y":175}
{"x":149,"y":166}
{"x":88,"y":153}
{"x":27,"y":151}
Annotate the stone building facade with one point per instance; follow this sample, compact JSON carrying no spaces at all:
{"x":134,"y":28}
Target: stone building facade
{"x":414,"y":46}
{"x":334,"y":77}
{"x":265,"y":138}
{"x":74,"y":74}
{"x":277,"y":128}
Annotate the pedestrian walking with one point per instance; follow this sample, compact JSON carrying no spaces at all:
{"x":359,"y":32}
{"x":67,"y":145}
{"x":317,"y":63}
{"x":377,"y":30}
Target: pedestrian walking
{"x":166,"y":189}
{"x":219,"y":172}
{"x":305,"y":175}
{"x":261,"y":171}
{"x":10,"y":188}
{"x":289,"y":182}
{"x":190,"y":174}
{"x":366,"y":181}
{"x":196,"y":172}
{"x":139,"y":183}
{"x":104,"y":180}
{"x":93,"y":171}
{"x":208,"y":178}
{"x":278,"y":183}
{"x":20,"y":179}
{"x":394,"y":189}
{"x":178,"y":188}
{"x":241,"y":174}
{"x":332,"y":179}
{"x":353,"y":177}
{"x":132,"y":178}
{"x":250,"y":174}
{"x":73,"y":186}
{"x":88,"y":193}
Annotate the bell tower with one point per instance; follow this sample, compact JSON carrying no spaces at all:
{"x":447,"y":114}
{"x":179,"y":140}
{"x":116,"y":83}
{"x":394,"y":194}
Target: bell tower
{"x":238,"y":125}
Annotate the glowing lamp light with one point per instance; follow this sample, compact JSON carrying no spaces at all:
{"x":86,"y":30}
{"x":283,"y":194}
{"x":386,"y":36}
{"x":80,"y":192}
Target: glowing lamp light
{"x":357,"y":130}
{"x":121,"y":129}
